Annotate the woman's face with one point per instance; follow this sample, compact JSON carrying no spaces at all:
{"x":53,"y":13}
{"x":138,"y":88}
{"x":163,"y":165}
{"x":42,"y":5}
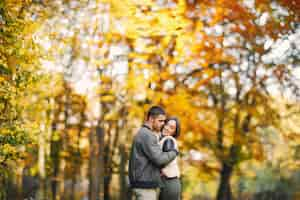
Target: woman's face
{"x":169,"y":128}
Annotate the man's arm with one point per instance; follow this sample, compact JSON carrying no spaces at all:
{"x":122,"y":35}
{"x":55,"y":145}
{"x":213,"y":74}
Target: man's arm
{"x":154,"y":152}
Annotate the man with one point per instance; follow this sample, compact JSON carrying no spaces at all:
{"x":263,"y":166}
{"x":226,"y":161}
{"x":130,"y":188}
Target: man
{"x":147,"y":157}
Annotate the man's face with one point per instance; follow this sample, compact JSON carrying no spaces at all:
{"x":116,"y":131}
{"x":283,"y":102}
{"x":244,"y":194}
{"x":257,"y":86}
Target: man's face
{"x":158,"y":122}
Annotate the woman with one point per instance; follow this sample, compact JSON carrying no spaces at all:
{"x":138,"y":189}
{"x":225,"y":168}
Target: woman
{"x":170,"y":173}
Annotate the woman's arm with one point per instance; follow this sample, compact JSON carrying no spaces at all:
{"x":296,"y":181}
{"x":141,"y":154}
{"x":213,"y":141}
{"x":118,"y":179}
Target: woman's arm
{"x":169,"y":145}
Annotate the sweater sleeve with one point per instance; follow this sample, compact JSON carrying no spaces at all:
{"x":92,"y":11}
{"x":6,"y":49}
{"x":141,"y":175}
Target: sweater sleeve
{"x":153,"y":151}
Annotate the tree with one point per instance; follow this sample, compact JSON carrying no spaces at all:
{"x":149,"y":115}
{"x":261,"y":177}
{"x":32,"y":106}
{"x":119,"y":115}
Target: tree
{"x":218,"y":70}
{"x":19,"y":62}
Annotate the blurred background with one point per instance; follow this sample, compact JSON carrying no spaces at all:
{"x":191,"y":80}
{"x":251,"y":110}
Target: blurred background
{"x":77,"y":76}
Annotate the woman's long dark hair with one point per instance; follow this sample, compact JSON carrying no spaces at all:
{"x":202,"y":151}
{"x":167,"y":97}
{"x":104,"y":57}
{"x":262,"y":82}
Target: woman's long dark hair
{"x":177,"y":130}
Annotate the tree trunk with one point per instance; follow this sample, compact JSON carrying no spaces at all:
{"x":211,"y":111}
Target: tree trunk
{"x":42,"y":161}
{"x":124,"y":189}
{"x":107,"y":161}
{"x":224,"y":190}
{"x":19,"y":185}
{"x":61,"y":172}
{"x":93,"y":172}
{"x":100,"y":137}
{"x":96,"y":169}
{"x":54,"y":154}
{"x":77,"y":164}
{"x":55,"y":149}
{"x":107,"y":181}
{"x":73,"y":183}
{"x":3,"y":184}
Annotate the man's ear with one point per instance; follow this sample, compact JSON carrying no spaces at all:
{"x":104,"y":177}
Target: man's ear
{"x":151,"y":119}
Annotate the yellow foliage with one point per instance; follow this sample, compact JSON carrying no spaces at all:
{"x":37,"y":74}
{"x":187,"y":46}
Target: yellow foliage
{"x":159,"y":22}
{"x":107,"y":98}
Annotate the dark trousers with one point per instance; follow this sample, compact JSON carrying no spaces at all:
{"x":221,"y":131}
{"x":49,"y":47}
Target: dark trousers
{"x":171,"y":189}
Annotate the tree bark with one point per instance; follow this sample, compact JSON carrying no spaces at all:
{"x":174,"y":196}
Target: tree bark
{"x":54,"y":154}
{"x":93,"y":172}
{"x":19,"y":185}
{"x":100,"y":137}
{"x":42,"y":161}
{"x":107,"y":160}
{"x":55,"y":149}
{"x":64,"y":139}
{"x":78,"y":162}
{"x":107,"y":181}
{"x":224,"y":190}
{"x":96,"y":169}
{"x":125,"y":192}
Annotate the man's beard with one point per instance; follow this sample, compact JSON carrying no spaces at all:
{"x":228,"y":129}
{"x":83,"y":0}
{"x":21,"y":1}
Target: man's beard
{"x":156,"y":129}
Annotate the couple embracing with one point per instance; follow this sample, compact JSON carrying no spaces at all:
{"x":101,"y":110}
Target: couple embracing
{"x":153,"y":168}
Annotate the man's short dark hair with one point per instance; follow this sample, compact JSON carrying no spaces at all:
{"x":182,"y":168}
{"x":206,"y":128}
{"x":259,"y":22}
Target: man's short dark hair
{"x":154,"y":111}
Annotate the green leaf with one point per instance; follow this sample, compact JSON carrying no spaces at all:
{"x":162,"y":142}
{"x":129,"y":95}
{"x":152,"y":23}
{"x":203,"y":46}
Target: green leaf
{"x":4,"y":70}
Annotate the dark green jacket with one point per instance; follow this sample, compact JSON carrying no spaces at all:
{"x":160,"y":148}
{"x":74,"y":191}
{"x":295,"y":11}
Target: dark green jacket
{"x":146,"y":160}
